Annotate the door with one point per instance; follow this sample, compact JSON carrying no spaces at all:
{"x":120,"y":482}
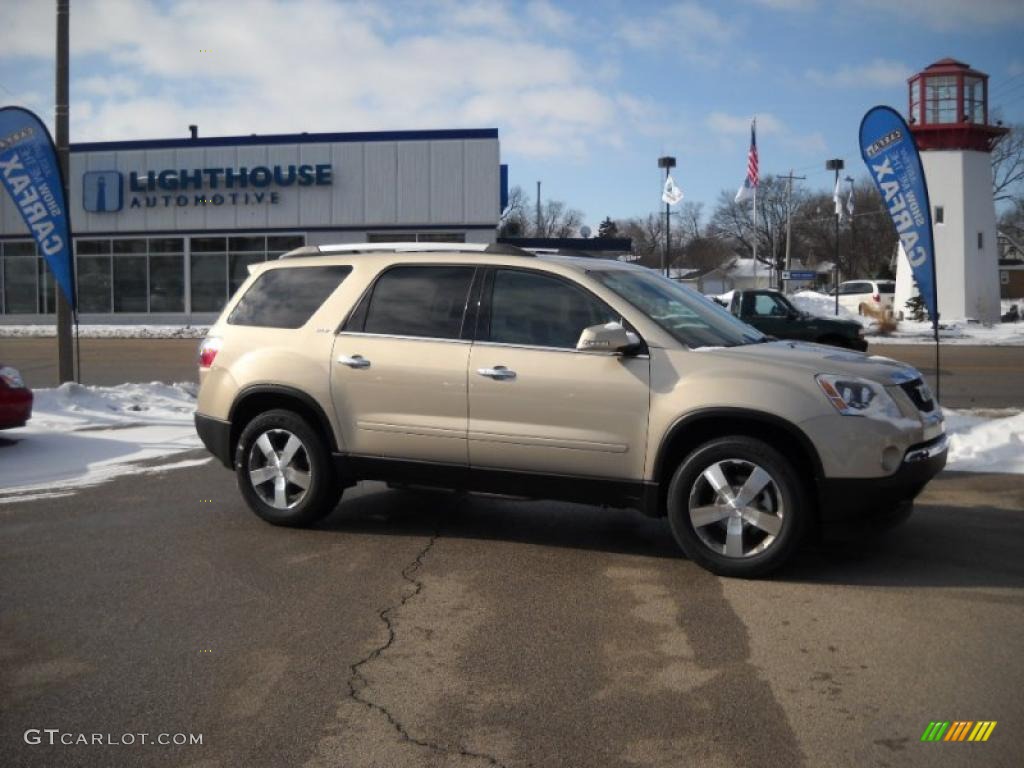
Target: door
{"x":770,"y":314}
{"x":536,"y":404}
{"x":398,"y":371}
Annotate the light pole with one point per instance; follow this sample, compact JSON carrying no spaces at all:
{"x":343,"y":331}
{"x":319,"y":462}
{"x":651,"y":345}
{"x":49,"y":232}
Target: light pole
{"x":836,"y":164}
{"x":668,"y":163}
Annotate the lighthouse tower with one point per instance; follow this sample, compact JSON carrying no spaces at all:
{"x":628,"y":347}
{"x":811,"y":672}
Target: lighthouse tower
{"x":950,"y":121}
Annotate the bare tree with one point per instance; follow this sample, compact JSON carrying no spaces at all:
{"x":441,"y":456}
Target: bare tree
{"x":734,"y":221}
{"x":519,"y":218}
{"x":1008,"y":164}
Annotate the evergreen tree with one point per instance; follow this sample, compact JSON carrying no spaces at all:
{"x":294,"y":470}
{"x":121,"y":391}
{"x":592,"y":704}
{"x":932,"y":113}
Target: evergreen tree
{"x":608,"y":228}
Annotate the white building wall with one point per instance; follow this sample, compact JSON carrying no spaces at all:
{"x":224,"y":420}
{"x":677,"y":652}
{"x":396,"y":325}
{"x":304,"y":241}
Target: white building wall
{"x":960,"y":182}
{"x":442,"y":182}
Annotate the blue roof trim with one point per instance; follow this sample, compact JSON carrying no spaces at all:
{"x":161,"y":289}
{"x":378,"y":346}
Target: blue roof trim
{"x":285,"y":138}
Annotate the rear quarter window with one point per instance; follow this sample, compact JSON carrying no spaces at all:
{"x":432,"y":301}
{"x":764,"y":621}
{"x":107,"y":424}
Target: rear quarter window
{"x":287,"y":297}
{"x":887,"y":287}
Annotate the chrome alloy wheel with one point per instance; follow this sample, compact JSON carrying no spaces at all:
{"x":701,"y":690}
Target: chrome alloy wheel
{"x":279,"y":468}
{"x":736,"y":508}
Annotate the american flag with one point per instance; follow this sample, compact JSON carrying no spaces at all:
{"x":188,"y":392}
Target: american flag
{"x":752,"y":156}
{"x":750,"y":183}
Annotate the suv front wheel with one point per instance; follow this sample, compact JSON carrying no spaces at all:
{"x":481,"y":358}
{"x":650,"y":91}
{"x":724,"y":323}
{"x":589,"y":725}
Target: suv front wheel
{"x":284,"y":470}
{"x":737,"y":507}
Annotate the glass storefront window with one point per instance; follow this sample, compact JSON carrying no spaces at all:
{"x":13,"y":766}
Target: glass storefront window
{"x":130,"y":288}
{"x":20,"y":285}
{"x":238,"y":264}
{"x":209,"y":282}
{"x":209,"y":244}
{"x":94,"y":284}
{"x":129,"y":245}
{"x":278,"y":244}
{"x":47,"y":289}
{"x":247,"y":243}
{"x":167,"y":245}
{"x":91,"y":247}
{"x":167,"y":283}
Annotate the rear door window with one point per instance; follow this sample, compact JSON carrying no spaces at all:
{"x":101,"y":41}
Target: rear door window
{"x":887,"y":287}
{"x":425,"y":301}
{"x":287,"y":297}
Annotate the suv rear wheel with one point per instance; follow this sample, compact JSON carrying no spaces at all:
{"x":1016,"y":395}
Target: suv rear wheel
{"x":737,"y":508}
{"x":284,"y":470}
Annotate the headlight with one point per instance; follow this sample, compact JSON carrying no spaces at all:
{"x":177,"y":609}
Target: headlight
{"x":852,"y":396}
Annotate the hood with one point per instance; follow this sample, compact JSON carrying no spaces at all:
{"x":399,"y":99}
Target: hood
{"x":819,"y":358}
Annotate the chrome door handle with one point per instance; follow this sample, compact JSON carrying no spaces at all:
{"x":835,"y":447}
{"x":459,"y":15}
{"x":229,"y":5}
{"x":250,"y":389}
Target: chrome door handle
{"x":498,"y":373}
{"x":356,"y":361}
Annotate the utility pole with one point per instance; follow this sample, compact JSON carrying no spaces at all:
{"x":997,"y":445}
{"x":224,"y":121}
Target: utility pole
{"x":836,"y":164}
{"x":538,"y":210}
{"x":668,"y":163}
{"x":65,"y":358}
{"x":789,"y":217}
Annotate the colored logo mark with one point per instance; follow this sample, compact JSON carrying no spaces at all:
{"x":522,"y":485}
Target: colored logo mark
{"x":959,"y":730}
{"x":102,"y":191}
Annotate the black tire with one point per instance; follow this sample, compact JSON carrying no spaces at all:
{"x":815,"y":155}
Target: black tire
{"x":310,"y":463}
{"x":786,"y":492}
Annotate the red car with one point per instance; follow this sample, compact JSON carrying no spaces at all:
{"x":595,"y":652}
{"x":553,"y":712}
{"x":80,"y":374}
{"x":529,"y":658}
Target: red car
{"x":15,"y":399}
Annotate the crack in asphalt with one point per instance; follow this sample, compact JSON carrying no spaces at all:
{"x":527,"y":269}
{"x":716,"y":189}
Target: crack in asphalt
{"x":358,"y":684}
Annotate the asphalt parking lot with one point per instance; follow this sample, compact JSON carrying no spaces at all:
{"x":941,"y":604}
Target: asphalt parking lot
{"x":437,"y":629}
{"x":430,"y":629}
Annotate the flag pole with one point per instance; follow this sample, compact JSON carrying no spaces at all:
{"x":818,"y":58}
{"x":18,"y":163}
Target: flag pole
{"x":753,"y":133}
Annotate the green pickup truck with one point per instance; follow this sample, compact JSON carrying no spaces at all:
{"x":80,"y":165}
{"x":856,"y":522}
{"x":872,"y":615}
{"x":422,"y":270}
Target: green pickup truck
{"x":774,"y":314}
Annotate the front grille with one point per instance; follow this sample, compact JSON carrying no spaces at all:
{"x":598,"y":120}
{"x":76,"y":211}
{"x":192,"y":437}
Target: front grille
{"x":919,"y":393}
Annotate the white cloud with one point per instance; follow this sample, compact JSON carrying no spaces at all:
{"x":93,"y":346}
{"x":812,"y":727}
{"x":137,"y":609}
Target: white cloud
{"x":686,"y":28}
{"x":739,"y":125}
{"x":878,"y":73}
{"x":728,"y":128}
{"x":324,"y":66}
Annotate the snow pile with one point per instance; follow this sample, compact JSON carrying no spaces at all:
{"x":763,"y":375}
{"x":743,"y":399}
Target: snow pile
{"x":81,"y":436}
{"x":985,"y":441}
{"x":110,"y":331}
{"x":911,"y":332}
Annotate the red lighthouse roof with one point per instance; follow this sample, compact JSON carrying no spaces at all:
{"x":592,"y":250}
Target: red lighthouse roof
{"x":949,"y":108}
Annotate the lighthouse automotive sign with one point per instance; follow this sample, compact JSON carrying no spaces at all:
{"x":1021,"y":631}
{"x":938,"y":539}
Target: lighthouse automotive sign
{"x":104,"y":191}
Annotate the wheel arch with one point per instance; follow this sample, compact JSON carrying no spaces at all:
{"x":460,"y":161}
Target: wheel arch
{"x":695,"y":429}
{"x":259,"y":398}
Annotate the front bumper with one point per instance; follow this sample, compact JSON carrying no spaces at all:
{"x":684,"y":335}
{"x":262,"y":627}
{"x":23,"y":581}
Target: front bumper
{"x":216,"y":436}
{"x":851,"y":501}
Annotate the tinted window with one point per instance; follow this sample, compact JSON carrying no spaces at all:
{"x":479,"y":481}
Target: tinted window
{"x":419,"y":301}
{"x":287,"y":298}
{"x":887,"y":287}
{"x":533,"y":309}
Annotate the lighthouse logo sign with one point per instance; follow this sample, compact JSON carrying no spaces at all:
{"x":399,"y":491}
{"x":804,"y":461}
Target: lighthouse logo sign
{"x":102,"y":191}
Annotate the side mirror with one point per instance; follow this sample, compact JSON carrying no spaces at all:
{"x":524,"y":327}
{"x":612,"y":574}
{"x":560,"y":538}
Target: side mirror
{"x":611,"y":337}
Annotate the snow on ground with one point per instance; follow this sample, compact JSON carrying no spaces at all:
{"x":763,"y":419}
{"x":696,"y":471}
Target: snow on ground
{"x":110,"y":331}
{"x":80,"y":436}
{"x":910,"y":332}
{"x":985,"y":440}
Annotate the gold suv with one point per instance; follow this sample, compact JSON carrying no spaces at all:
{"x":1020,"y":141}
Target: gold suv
{"x":486,"y":368}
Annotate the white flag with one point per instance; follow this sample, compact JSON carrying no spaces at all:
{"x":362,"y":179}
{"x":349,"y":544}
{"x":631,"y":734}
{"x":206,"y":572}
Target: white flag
{"x":840,"y":212}
{"x":671,"y":194}
{"x":746,"y":191}
{"x":849,"y":196}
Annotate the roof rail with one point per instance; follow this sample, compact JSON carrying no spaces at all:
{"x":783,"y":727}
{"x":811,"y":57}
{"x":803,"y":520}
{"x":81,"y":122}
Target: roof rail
{"x":492,"y":248}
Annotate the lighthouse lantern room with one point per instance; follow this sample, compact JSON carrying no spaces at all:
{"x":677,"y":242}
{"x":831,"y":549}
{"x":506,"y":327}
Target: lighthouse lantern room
{"x":949,"y":117}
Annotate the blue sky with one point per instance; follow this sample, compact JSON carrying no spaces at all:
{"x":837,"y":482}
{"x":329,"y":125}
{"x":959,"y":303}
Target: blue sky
{"x":586,"y":96}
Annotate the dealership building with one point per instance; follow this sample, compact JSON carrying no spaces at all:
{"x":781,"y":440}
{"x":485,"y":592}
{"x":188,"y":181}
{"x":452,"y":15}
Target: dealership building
{"x":165,"y":229}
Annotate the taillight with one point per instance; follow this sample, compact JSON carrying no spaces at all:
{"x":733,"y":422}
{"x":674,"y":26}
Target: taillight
{"x":876,"y":297}
{"x":208,"y":351}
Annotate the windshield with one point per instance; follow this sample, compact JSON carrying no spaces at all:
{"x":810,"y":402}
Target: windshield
{"x":687,"y":315}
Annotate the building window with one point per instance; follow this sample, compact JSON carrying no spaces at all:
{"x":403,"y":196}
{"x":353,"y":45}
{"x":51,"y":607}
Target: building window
{"x":981,"y":240}
{"x":415,"y":237}
{"x":974,"y":100}
{"x":20,"y":279}
{"x":940,"y":214}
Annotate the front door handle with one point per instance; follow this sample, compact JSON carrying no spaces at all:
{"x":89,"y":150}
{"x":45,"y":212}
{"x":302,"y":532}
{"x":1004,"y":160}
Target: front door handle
{"x":355,"y":361}
{"x":498,"y":373}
